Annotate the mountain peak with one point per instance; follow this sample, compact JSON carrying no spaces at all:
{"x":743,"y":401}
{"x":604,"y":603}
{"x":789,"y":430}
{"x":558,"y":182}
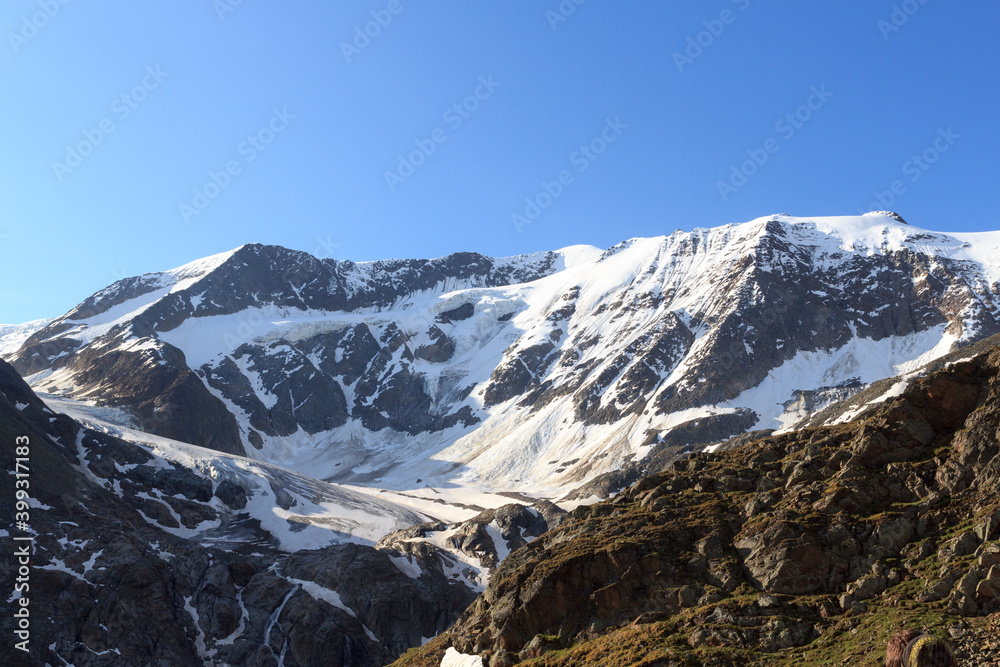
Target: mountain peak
{"x":889,"y":214}
{"x":661,"y":342}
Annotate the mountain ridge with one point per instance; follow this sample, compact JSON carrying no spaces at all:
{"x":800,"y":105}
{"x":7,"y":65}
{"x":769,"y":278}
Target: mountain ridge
{"x":477,"y":362}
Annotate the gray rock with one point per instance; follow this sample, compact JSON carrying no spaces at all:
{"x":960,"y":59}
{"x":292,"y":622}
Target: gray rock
{"x":988,"y":590}
{"x":231,"y":494}
{"x":989,"y":528}
{"x":439,"y":349}
{"x":966,"y":544}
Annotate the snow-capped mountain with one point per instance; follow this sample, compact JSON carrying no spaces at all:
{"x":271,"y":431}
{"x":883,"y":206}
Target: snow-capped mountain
{"x":528,"y":374}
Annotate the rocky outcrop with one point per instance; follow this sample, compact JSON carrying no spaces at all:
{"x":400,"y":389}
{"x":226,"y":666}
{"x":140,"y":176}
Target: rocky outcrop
{"x":484,"y":540}
{"x":513,"y":525}
{"x":439,"y":350}
{"x":152,"y":381}
{"x":297,"y":393}
{"x":140,"y":563}
{"x":788,"y":549}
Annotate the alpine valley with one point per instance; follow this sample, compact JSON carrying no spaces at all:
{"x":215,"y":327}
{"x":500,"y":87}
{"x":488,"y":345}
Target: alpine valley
{"x":266,"y":458}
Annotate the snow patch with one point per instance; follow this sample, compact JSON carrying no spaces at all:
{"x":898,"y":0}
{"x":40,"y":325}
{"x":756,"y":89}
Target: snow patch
{"x":896,"y":389}
{"x":407,"y":565}
{"x":453,"y":658}
{"x":866,"y":359}
{"x":499,"y":543}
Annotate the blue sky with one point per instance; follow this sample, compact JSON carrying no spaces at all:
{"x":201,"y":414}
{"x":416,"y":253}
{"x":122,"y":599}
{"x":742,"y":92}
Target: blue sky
{"x":613,"y":119}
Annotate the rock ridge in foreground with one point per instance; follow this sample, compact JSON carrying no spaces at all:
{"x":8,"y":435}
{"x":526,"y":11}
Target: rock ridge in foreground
{"x":804,"y":548}
{"x":120,"y":578}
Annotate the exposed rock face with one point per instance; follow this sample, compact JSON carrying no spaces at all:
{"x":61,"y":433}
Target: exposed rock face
{"x":485,"y":539}
{"x":515,"y":525}
{"x":439,"y":350}
{"x":121,"y":574}
{"x":281,"y":387}
{"x":300,"y":398}
{"x":152,"y":380}
{"x":531,"y":372}
{"x":767,"y":553}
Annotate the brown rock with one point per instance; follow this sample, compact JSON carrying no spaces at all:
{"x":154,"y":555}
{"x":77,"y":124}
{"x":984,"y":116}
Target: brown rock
{"x":988,"y":589}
